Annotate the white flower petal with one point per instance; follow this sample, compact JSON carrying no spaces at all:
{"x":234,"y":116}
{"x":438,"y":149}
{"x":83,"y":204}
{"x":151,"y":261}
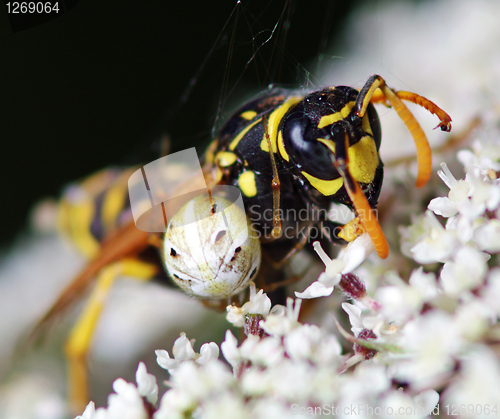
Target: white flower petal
{"x":315,"y":290}
{"x":175,"y":404}
{"x":357,"y":252}
{"x":126,"y":403}
{"x":208,"y":352}
{"x":278,"y":310}
{"x":259,"y":304}
{"x":354,"y":313}
{"x":163,"y":359}
{"x":146,"y":383}
{"x":329,"y":281}
{"x":399,"y":303}
{"x":302,"y":341}
{"x":477,"y":382}
{"x":443,"y":206}
{"x":425,"y":283}
{"x":235,"y":315}
{"x":487,"y":236}
{"x":435,"y":243}
{"x":230,"y":349}
{"x":493,"y":200}
{"x":276,"y":325}
{"x":427,"y":400}
{"x":183,"y":348}
{"x":89,"y":412}
{"x":465,"y":272}
{"x":267,"y":352}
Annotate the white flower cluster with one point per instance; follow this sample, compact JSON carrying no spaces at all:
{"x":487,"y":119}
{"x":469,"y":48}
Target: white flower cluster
{"x":427,"y":335}
{"x":449,"y":315}
{"x":128,"y":401}
{"x":281,"y":375}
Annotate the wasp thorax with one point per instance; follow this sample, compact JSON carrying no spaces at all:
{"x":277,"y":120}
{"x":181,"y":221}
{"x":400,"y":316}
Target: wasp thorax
{"x":210,"y":248}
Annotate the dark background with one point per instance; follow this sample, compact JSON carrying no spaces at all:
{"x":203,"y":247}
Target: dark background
{"x":98,"y":85}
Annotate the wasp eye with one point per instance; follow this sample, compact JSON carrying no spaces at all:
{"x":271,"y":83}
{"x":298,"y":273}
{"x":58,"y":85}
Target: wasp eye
{"x":305,"y":150}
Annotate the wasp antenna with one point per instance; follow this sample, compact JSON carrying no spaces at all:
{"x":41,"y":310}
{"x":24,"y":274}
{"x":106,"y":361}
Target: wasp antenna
{"x":424,"y":154}
{"x":444,"y":118}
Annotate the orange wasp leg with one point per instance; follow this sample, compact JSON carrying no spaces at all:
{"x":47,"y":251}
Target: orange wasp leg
{"x":125,"y":242}
{"x":80,"y":338}
{"x":116,"y":255}
{"x":363,"y":209}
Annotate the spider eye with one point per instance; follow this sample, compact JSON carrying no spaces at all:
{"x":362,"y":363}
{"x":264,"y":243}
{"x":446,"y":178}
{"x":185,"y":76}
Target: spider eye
{"x":220,"y":235}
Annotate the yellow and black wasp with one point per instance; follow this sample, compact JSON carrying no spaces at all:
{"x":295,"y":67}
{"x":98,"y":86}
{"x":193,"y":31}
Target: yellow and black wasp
{"x":289,"y":153}
{"x":324,"y":150}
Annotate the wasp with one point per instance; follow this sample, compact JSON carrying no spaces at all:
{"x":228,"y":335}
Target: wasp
{"x":303,"y":152}
{"x":288,"y":153}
